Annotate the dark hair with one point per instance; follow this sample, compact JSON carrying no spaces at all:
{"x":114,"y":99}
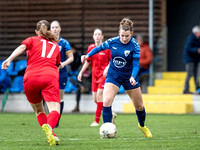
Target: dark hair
{"x":73,"y":46}
{"x":43,"y":28}
{"x":126,"y":24}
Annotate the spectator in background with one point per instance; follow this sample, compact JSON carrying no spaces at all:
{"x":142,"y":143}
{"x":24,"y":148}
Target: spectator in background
{"x":192,"y":58}
{"x":73,"y":73}
{"x":81,"y":87}
{"x":74,"y":66}
{"x":66,"y":58}
{"x":144,"y":63}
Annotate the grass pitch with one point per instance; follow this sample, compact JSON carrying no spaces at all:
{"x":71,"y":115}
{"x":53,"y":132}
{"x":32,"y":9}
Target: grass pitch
{"x":170,"y":132}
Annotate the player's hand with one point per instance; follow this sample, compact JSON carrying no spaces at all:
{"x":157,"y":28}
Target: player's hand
{"x":84,"y":57}
{"x":133,"y":82}
{"x":79,"y":77}
{"x":61,"y":65}
{"x":5,"y":65}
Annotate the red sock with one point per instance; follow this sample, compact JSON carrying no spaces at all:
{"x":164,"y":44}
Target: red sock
{"x":42,"y":118}
{"x":53,"y":118}
{"x":98,"y":111}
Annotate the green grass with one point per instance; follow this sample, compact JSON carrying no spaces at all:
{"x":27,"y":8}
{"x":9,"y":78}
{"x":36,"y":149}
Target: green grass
{"x":170,"y":132}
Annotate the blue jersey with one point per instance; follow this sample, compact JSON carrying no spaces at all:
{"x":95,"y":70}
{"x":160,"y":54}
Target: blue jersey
{"x":124,"y":57}
{"x":65,"y":48}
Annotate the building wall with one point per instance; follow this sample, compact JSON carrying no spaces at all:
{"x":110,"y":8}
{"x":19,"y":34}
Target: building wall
{"x":78,"y":19}
{"x":18,"y":103}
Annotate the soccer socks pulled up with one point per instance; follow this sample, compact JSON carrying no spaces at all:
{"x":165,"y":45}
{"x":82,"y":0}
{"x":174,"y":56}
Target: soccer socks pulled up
{"x":53,"y":118}
{"x":42,"y":118}
{"x":98,"y":111}
{"x":141,"y":115}
{"x":61,"y":107}
{"x":107,"y":114}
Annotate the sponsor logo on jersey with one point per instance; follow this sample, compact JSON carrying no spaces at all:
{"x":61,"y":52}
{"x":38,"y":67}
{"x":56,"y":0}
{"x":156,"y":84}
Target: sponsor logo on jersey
{"x":114,"y":47}
{"x":119,"y":62}
{"x":126,"y":52}
{"x":101,"y":53}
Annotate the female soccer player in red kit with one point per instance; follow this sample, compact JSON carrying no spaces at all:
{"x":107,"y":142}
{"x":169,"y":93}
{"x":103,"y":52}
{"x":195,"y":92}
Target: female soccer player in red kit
{"x":98,"y":63}
{"x":41,"y":76}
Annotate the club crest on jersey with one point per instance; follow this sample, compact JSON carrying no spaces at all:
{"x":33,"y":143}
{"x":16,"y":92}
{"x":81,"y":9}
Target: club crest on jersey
{"x":126,"y":52}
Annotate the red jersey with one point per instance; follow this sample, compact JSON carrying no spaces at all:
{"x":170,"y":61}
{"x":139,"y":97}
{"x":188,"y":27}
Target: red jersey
{"x":43,"y":57}
{"x":98,"y":62}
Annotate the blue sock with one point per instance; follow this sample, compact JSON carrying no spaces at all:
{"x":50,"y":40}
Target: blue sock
{"x":107,"y":114}
{"x":141,"y":115}
{"x":61,"y":107}
{"x":61,"y":110}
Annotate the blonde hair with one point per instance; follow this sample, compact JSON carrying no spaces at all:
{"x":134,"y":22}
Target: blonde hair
{"x":43,"y":29}
{"x":126,"y":24}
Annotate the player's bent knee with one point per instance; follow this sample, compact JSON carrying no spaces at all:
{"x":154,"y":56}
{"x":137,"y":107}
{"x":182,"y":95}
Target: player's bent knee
{"x":107,"y":103}
{"x":139,"y":108}
{"x":61,"y":97}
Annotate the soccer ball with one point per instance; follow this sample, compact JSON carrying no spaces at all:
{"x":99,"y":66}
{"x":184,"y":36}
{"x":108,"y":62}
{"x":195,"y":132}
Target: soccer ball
{"x":108,"y":130}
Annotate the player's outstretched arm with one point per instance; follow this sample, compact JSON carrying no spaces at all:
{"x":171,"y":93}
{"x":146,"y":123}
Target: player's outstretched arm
{"x":19,"y":50}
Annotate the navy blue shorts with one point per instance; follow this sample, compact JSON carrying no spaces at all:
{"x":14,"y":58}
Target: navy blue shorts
{"x":62,"y":81}
{"x":119,"y":80}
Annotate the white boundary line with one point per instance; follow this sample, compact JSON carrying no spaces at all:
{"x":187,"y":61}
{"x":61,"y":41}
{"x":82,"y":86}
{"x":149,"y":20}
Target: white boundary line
{"x":118,"y":138}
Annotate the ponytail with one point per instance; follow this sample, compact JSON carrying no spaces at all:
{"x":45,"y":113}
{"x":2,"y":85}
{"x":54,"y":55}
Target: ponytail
{"x":43,"y":29}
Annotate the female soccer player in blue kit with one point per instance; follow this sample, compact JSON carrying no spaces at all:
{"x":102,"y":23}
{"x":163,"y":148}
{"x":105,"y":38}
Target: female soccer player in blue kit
{"x":66,"y":58}
{"x":123,"y":69}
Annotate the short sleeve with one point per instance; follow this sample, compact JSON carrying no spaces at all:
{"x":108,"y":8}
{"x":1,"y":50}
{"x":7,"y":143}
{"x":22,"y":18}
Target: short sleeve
{"x":90,"y":47}
{"x":67,"y":47}
{"x":28,"y":42}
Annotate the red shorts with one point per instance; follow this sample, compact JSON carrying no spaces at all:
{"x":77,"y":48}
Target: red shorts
{"x":42,"y":87}
{"x":98,"y":84}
